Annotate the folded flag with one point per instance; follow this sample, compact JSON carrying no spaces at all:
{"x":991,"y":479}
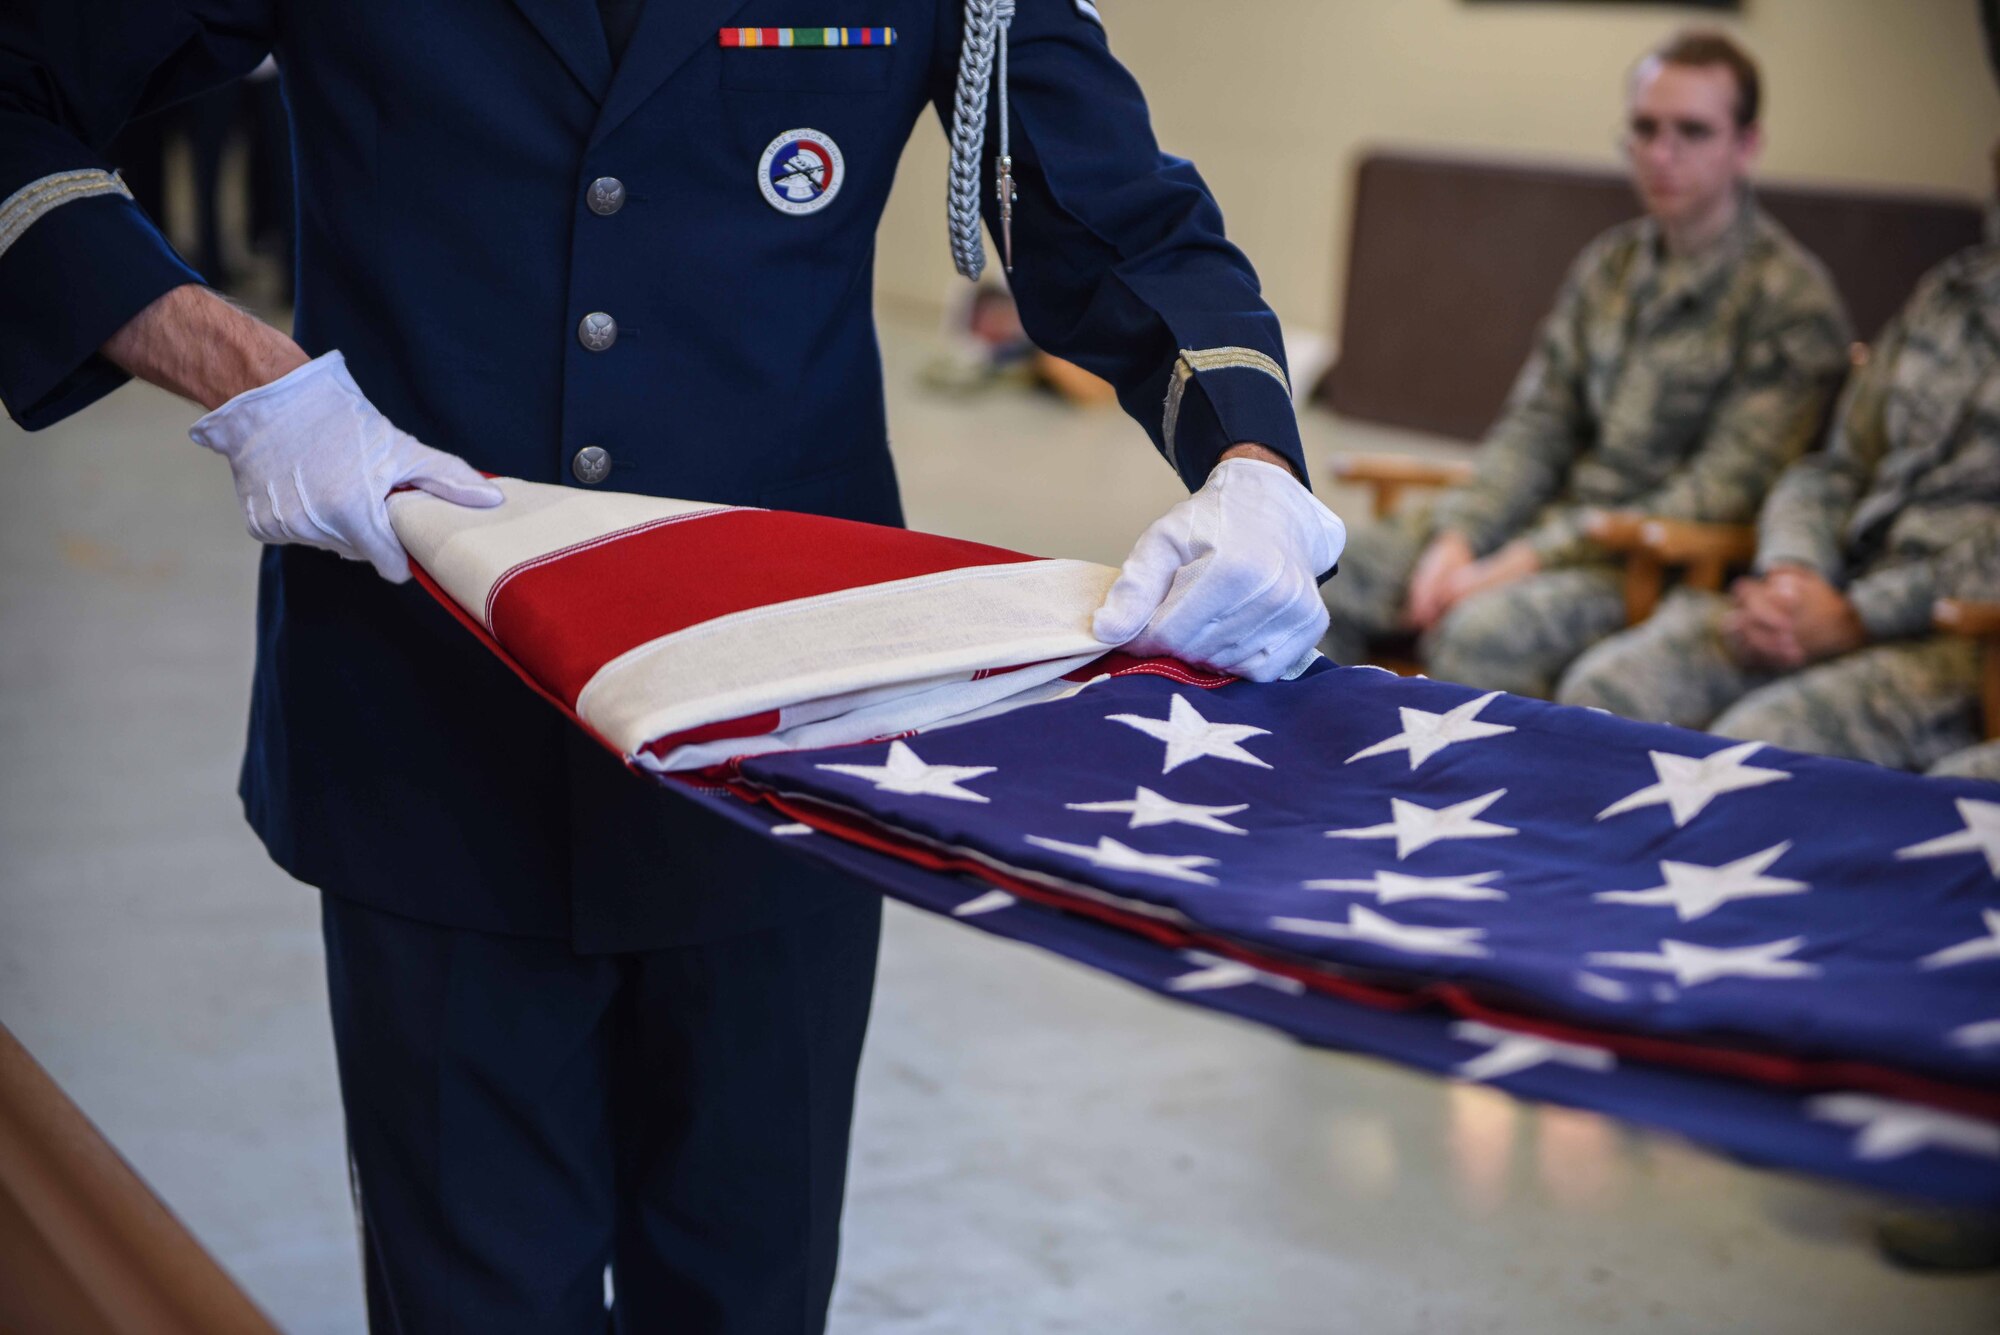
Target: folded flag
{"x":1793,"y":959}
{"x":681,"y":634}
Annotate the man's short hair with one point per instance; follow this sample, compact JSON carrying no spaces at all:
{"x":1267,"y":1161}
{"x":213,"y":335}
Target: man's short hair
{"x":1708,"y":47}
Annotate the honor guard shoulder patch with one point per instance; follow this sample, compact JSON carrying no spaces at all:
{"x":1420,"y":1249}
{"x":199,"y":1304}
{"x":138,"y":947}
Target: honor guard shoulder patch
{"x":801,"y":172}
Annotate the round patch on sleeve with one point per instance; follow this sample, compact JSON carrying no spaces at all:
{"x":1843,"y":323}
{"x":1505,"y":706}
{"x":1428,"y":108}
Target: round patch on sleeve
{"x":801,"y":172}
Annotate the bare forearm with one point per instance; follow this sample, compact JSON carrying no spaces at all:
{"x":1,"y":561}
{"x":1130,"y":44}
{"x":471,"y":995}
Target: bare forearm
{"x":1261,"y":454}
{"x":193,"y":343}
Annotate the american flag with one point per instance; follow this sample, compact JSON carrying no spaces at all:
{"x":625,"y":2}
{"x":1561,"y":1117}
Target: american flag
{"x":1791,"y":959}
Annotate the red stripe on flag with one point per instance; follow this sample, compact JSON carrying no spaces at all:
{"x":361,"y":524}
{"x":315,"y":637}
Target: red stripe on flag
{"x":1118,"y":663}
{"x":565,"y":618}
{"x":750,"y":725}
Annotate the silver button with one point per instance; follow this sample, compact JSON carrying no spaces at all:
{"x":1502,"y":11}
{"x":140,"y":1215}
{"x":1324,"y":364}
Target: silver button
{"x":607,"y":196}
{"x":597,"y":331}
{"x":591,"y":465}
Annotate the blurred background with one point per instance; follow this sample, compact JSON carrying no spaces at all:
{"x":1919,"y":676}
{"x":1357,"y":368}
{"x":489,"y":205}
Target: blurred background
{"x":1276,"y":100}
{"x":1036,"y":1149}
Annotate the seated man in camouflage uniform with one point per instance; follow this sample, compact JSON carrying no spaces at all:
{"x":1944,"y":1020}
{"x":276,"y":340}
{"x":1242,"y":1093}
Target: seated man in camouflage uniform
{"x":1828,"y":647}
{"x":1690,"y":356}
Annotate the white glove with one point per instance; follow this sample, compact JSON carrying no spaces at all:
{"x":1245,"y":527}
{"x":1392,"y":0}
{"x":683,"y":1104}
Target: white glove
{"x":1229,"y":577}
{"x":315,"y":463}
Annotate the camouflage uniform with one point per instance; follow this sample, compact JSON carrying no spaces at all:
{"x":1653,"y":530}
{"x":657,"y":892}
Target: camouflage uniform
{"x":1901,"y":508}
{"x":1974,"y":762}
{"x":1677,"y":386}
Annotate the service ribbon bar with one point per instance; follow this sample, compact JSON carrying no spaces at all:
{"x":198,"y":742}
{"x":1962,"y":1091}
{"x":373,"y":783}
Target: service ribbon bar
{"x":808,"y":36}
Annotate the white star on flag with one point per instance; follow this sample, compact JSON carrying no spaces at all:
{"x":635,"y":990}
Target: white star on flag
{"x":1688,"y":785}
{"x":1889,"y":1129}
{"x":1114,"y":856}
{"x":990,"y":902}
{"x":905,"y":773}
{"x":1425,"y":734}
{"x":1980,"y":835}
{"x":1414,"y":827}
{"x":1605,"y":989}
{"x":1189,"y":736}
{"x":1512,"y":1052}
{"x":1367,"y":925}
{"x":1149,"y":808}
{"x":1393,"y":887}
{"x":1979,"y":1034}
{"x":1965,"y":952}
{"x":1695,"y":891}
{"x":1691,"y":964}
{"x":1216,"y":972}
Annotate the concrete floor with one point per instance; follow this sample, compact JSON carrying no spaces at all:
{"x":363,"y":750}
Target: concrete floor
{"x":1038,"y":1149}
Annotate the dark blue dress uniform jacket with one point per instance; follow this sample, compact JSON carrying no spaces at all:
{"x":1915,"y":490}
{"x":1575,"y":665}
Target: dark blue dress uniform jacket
{"x":445,"y":152}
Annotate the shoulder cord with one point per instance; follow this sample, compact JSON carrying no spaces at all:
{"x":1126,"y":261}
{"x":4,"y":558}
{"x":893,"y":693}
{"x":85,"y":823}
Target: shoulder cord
{"x":986,"y":23}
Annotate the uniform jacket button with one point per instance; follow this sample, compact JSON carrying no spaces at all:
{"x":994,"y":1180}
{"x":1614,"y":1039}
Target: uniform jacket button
{"x":607,"y":196}
{"x":591,"y":465}
{"x":597,"y":331}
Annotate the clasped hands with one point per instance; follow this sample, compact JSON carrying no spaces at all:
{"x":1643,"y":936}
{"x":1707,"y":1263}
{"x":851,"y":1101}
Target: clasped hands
{"x":1779,"y":621}
{"x":1787,"y":618}
{"x":1448,"y":573}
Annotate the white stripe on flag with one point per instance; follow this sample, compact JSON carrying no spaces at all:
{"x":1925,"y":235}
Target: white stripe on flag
{"x":468,"y":551}
{"x":929,"y":629}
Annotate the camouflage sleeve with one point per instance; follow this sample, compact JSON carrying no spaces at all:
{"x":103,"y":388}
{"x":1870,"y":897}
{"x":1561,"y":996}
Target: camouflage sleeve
{"x":1768,"y":416}
{"x":1896,"y":600}
{"x":1971,"y":570}
{"x":1804,"y":520}
{"x":1527,"y":455}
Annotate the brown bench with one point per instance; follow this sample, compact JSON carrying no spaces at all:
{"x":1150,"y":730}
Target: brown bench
{"x":85,"y":1247}
{"x":1453,"y":262}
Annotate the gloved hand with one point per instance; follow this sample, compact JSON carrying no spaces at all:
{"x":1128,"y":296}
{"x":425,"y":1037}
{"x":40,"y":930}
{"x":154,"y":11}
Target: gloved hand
{"x":315,"y":463}
{"x":1229,"y":577}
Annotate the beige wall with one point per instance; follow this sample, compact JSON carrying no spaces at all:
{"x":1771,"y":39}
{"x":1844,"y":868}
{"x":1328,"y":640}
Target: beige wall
{"x":1274,"y":99}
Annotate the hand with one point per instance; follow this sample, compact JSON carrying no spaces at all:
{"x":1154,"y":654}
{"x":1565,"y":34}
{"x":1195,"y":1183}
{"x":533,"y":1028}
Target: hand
{"x":315,"y":463}
{"x":1823,"y":623}
{"x":1515,"y":561}
{"x":1789,"y":618}
{"x":1447,"y":554}
{"x":1229,"y":578}
{"x":1757,"y":628}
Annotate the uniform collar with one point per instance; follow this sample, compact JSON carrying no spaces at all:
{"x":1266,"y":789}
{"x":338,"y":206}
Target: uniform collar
{"x":1681,"y":276}
{"x":575,"y":33}
{"x":669,"y":32}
